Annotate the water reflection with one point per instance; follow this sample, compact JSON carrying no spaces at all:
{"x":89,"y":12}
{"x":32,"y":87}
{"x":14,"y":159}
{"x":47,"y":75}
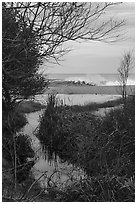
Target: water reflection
{"x":56,"y":172}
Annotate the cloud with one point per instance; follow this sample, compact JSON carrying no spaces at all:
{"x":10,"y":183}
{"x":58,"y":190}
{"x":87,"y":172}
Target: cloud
{"x":99,"y":57}
{"x":123,"y":11}
{"x":123,"y":8}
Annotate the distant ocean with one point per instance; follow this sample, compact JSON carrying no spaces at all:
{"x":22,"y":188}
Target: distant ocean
{"x":96,"y":79}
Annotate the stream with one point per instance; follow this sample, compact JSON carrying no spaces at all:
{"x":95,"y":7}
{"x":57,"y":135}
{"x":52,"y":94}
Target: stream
{"x":61,"y":174}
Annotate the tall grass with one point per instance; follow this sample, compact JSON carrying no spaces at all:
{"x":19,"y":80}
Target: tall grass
{"x":103,"y":147}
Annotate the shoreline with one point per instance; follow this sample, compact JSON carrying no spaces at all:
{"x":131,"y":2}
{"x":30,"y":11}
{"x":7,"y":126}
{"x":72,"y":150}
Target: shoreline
{"x":87,"y":89}
{"x":87,"y":103}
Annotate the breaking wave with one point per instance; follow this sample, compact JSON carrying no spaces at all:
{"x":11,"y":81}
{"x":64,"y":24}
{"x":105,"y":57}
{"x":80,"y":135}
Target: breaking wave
{"x":97,"y":80}
{"x":117,"y":83}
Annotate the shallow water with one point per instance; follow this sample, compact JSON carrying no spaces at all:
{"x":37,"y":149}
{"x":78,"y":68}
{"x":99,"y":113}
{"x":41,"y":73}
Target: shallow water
{"x":61,"y":173}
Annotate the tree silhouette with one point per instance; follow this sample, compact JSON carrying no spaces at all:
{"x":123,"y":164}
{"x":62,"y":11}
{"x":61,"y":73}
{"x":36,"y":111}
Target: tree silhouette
{"x":20,"y":60}
{"x":126,"y":65}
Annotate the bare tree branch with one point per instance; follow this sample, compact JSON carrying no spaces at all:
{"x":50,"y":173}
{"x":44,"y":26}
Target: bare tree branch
{"x":127,"y":64}
{"x":54,"y":23}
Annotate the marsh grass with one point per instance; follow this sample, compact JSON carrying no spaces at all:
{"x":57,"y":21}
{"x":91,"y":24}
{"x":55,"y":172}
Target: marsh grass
{"x":103,"y":147}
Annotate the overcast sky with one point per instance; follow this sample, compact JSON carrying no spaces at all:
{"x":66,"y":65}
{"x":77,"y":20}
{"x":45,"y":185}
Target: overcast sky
{"x":99,"y":57}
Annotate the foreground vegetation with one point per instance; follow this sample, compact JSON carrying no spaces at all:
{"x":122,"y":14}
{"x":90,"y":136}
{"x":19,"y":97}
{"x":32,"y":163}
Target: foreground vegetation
{"x":103,"y":147}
